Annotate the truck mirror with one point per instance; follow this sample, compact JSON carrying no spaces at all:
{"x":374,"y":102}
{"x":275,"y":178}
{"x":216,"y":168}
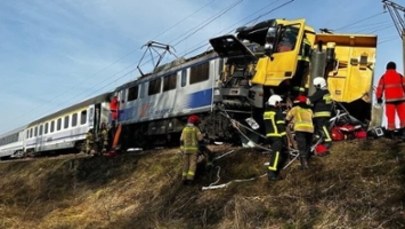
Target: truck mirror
{"x":271,"y":38}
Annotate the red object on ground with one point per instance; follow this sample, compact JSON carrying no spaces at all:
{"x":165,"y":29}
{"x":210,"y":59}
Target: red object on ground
{"x":361,"y":133}
{"x":337,"y":134}
{"x":321,"y":150}
{"x":111,"y":154}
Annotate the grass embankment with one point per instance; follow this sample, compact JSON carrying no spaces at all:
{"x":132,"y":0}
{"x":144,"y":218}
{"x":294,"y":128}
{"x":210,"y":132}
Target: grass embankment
{"x":360,"y":185}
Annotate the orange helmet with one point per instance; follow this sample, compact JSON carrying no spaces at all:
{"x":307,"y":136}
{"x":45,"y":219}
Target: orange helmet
{"x":194,"y":119}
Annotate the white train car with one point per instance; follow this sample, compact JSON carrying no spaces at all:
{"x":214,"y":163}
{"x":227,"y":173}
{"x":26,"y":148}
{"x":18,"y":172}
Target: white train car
{"x":67,"y":128}
{"x":12,"y":143}
{"x":156,"y":105}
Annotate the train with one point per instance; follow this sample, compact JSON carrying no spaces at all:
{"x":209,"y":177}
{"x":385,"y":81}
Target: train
{"x":230,"y":82}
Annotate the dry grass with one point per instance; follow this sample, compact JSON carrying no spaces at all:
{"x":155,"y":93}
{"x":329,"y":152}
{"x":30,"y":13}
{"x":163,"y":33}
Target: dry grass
{"x":360,"y":185}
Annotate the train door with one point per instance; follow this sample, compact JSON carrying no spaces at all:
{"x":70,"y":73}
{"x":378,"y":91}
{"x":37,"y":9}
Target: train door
{"x":96,"y":117}
{"x":40,"y":140}
{"x":91,"y":117}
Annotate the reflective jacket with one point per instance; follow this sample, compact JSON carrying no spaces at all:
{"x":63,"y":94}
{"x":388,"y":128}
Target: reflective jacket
{"x":274,"y":122}
{"x":103,"y":136}
{"x":90,"y":137}
{"x":392,"y":84}
{"x":301,"y":117}
{"x":322,"y":102}
{"x":190,"y":136}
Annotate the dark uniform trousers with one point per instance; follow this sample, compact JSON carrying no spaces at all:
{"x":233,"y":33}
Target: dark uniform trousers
{"x":303,"y":140}
{"x":279,"y":154}
{"x":322,"y":129}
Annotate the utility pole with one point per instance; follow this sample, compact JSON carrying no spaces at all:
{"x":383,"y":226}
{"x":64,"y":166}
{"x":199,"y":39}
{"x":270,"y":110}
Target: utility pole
{"x":397,"y":14}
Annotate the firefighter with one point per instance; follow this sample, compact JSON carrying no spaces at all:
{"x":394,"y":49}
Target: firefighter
{"x":392,"y":85}
{"x":275,"y":132}
{"x":301,"y":117}
{"x":322,"y":107}
{"x":89,"y":142}
{"x":103,"y":138}
{"x":189,"y":141}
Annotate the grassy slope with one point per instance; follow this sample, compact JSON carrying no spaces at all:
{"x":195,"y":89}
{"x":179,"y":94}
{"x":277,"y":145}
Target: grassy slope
{"x":360,"y":185}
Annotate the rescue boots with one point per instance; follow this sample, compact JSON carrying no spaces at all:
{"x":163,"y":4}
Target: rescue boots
{"x":304,"y":163}
{"x":188,"y":182}
{"x":390,"y":134}
{"x":271,"y":176}
{"x":402,"y":134}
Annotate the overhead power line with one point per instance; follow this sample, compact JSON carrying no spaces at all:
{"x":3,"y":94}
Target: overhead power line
{"x":224,"y":11}
{"x":97,"y":73}
{"x":232,"y":28}
{"x":359,"y":21}
{"x":183,"y":20}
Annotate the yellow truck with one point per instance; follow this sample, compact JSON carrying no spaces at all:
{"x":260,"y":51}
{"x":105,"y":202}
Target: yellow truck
{"x":283,"y":56}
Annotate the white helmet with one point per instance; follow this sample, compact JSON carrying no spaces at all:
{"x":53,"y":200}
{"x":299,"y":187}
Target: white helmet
{"x":319,"y":82}
{"x":274,"y":99}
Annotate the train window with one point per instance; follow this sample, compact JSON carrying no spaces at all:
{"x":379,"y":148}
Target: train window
{"x":35,"y":131}
{"x":132,"y":93}
{"x":183,"y":78}
{"x":46,"y":128}
{"x":154,"y":86}
{"x":74,"y":119}
{"x":40,"y":130}
{"x":83,"y":117}
{"x":199,"y":73}
{"x":58,"y":124}
{"x":169,"y":82}
{"x":66,"y":122}
{"x":52,"y":126}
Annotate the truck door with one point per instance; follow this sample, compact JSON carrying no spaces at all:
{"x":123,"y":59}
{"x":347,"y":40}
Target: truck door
{"x":281,"y":64}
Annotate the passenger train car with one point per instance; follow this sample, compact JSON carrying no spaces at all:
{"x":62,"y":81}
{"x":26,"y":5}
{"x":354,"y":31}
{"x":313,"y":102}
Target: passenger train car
{"x":66,"y":128}
{"x":12,"y":143}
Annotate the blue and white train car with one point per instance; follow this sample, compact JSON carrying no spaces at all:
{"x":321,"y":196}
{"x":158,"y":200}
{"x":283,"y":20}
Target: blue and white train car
{"x":12,"y":143}
{"x":157,"y":104}
{"x":67,"y":128}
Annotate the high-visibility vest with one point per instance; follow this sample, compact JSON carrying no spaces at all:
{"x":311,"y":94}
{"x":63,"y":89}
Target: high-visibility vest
{"x":274,"y":122}
{"x":302,"y":119}
{"x":322,"y":101}
{"x":189,"y":137}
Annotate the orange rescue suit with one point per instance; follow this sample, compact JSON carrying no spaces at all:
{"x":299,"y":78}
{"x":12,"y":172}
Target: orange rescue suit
{"x":392,"y":84}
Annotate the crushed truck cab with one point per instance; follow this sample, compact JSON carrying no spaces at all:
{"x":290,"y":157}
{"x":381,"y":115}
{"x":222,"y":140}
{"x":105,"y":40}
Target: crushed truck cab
{"x":283,"y":56}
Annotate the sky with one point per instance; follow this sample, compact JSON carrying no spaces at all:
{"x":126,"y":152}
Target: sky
{"x":54,"y":54}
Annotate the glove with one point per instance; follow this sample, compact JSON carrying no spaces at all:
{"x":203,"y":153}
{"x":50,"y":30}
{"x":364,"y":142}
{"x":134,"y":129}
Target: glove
{"x":379,"y":100}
